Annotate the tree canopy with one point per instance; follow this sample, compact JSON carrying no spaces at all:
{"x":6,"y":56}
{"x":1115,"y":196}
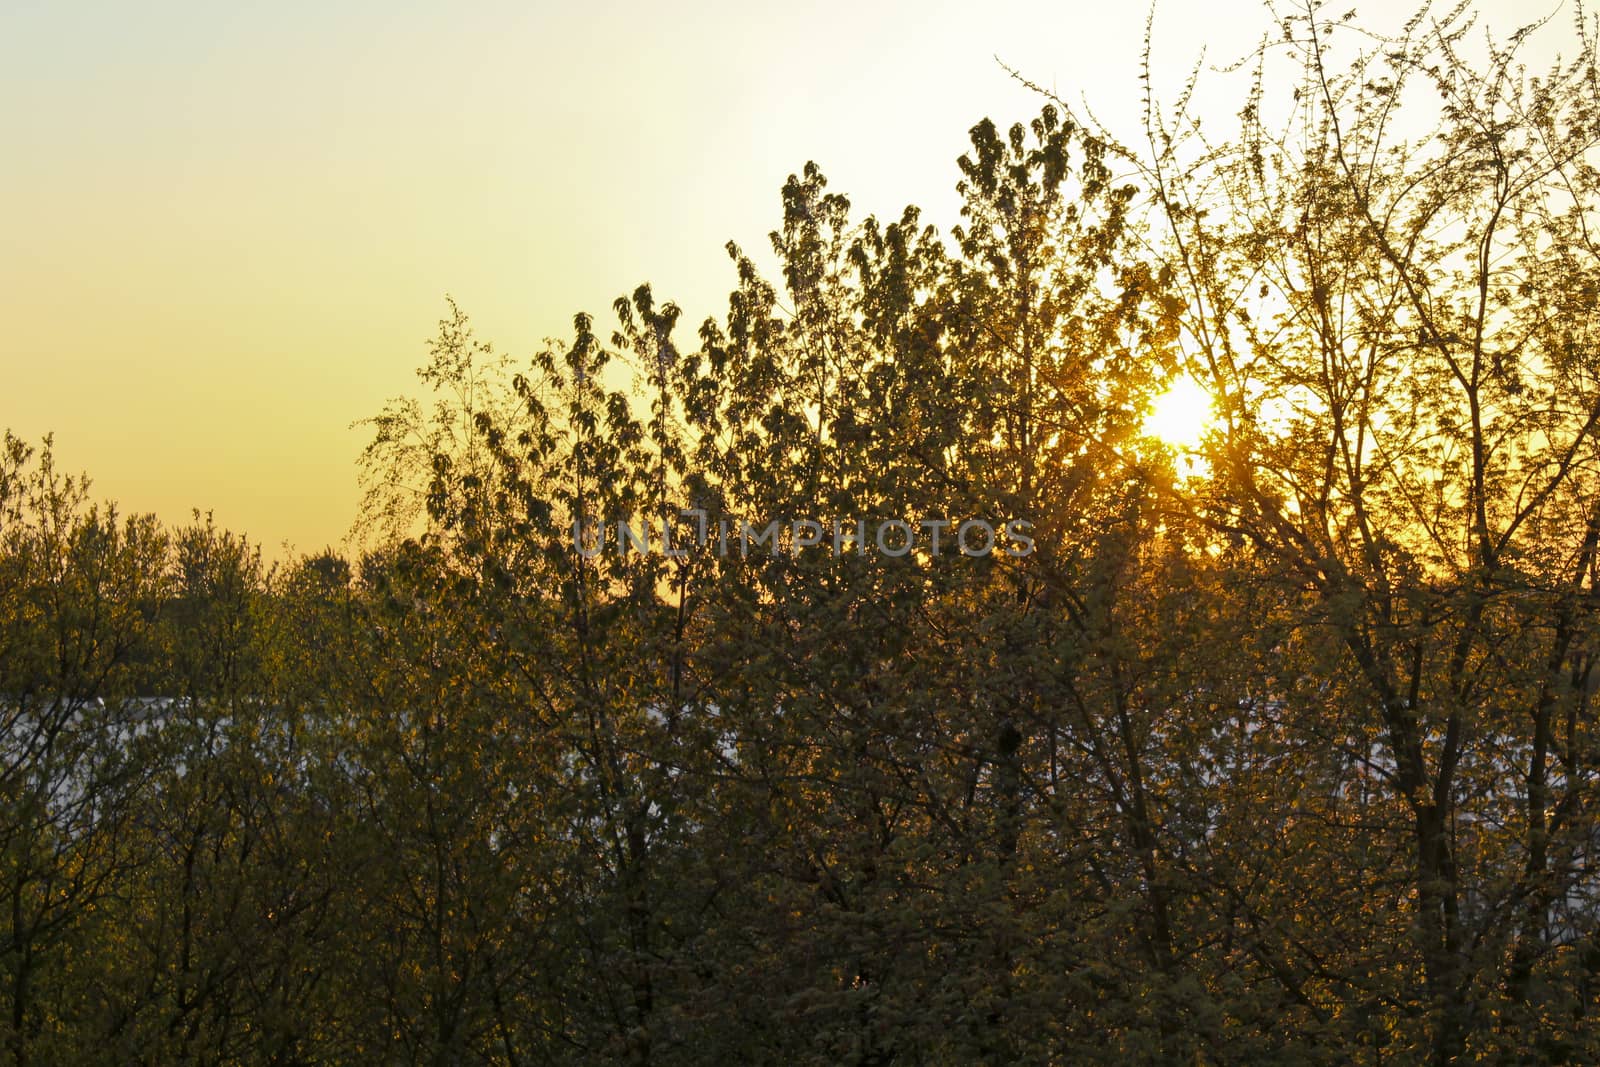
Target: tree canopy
{"x":1274,"y":748}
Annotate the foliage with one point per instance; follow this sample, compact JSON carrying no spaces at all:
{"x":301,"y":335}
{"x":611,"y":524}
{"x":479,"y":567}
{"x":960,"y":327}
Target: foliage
{"x":1286,"y":755}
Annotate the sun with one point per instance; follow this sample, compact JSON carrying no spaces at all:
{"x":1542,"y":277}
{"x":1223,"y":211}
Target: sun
{"x":1181,"y":416}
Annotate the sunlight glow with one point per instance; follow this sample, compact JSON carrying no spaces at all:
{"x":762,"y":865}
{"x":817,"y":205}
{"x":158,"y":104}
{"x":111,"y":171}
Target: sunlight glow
{"x":1181,"y":416}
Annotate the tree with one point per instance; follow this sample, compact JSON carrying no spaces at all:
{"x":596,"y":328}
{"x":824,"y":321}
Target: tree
{"x":78,"y":586}
{"x":1384,"y":293}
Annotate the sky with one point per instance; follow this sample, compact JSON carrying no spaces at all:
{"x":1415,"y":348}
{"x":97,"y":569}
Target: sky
{"x":228,"y":231}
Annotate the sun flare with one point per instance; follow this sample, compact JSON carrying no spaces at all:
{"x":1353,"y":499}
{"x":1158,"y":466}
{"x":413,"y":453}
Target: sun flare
{"x":1181,"y":416}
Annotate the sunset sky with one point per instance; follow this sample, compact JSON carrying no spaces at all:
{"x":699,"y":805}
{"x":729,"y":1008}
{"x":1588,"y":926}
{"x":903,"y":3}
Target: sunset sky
{"x":228,"y":232}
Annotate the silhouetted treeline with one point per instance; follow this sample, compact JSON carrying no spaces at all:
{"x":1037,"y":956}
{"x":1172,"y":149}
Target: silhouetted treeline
{"x":1281,"y":753}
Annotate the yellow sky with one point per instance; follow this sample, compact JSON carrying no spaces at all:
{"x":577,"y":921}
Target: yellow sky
{"x":228,"y":233}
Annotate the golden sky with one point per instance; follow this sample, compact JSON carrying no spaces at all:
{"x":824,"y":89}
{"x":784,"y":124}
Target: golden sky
{"x":228,"y":231}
